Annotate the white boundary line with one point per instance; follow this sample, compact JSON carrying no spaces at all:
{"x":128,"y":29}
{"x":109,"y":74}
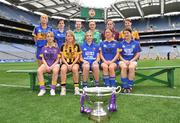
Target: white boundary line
{"x":151,"y":95}
{"x":15,"y":86}
{"x":130,"y":94}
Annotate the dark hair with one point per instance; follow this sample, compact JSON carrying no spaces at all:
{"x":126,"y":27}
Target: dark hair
{"x":128,"y":29}
{"x":60,"y":21}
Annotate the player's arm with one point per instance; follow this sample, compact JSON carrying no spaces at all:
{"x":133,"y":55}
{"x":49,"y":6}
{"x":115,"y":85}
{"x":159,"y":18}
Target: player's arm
{"x":116,"y":56}
{"x":55,"y":63}
{"x":101,"y":56}
{"x":63,"y":59}
{"x":98,"y":58}
{"x":44,"y":61}
{"x":135,"y":58}
{"x":34,"y":33}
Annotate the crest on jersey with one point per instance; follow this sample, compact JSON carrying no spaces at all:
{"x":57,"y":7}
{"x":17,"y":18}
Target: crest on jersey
{"x":92,"y":13}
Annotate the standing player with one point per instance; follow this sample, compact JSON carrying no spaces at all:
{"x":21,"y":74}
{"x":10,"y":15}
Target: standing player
{"x":79,"y":34}
{"x":70,"y":52}
{"x":96,"y":33}
{"x":39,"y":34}
{"x":109,"y":54}
{"x":128,"y":24}
{"x":110,"y":25}
{"x":60,"y":33}
{"x":129,"y":56}
{"x":90,"y":59}
{"x":50,"y":59}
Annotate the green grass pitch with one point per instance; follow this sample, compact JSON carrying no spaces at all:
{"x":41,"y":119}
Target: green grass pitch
{"x":21,"y":105}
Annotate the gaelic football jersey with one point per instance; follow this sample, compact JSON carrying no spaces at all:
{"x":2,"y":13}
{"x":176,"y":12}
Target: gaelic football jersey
{"x":79,"y":37}
{"x":50,"y":54}
{"x":109,"y":49}
{"x":41,"y":35}
{"x":59,"y":37}
{"x":96,"y":37}
{"x":135,"y":35}
{"x":128,"y":50}
{"x":89,"y":52}
{"x":70,"y":52}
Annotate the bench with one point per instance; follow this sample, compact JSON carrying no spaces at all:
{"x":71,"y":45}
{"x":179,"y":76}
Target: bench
{"x":161,"y":70}
{"x":47,"y":77}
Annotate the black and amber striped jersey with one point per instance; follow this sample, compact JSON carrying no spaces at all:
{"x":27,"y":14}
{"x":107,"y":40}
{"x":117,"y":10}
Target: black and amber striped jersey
{"x":70,"y":52}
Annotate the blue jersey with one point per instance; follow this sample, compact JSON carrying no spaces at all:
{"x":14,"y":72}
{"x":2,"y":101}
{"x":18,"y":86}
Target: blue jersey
{"x":129,"y":49}
{"x":109,"y":49}
{"x":59,"y":37}
{"x":40,"y":34}
{"x":89,"y":52}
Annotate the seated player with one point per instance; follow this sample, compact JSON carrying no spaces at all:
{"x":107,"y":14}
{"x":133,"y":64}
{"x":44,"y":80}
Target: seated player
{"x":70,"y":54}
{"x":50,"y":59}
{"x":90,"y":59}
{"x":129,"y":55}
{"x":109,"y":54}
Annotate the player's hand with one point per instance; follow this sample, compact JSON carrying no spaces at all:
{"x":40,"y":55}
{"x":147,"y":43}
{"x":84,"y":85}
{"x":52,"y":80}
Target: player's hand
{"x":69,"y":67}
{"x":48,"y":69}
{"x":126,"y":62}
{"x":85,"y":62}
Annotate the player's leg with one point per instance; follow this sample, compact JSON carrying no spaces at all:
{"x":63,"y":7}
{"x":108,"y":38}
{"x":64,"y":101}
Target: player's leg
{"x":112,"y":74}
{"x":75,"y":71}
{"x":55,"y":73}
{"x":124,"y":78}
{"x":41,"y":70}
{"x":38,"y":56}
{"x":131,"y":75}
{"x":105,"y":74}
{"x":86,"y":68}
{"x":95,"y":69}
{"x":63,"y":72}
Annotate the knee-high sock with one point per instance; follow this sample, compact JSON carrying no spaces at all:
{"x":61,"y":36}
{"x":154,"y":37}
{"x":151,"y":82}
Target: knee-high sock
{"x":113,"y":81}
{"x":106,"y":80}
{"x":124,"y":82}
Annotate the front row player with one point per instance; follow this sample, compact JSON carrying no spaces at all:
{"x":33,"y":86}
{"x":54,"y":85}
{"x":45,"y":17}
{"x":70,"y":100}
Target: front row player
{"x":128,"y":60}
{"x":109,"y":53}
{"x":90,"y":59}
{"x":70,"y":53}
{"x":50,"y":59}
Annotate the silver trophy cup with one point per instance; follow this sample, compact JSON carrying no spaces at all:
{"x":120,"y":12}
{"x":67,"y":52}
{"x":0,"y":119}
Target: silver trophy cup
{"x":100,"y":97}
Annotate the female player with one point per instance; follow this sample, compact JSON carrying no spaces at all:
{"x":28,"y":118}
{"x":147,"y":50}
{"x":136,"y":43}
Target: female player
{"x":39,"y":34}
{"x":90,"y":59}
{"x":50,"y":59}
{"x":60,"y":33}
{"x":130,"y":53}
{"x":70,"y":52}
{"x":109,"y":53}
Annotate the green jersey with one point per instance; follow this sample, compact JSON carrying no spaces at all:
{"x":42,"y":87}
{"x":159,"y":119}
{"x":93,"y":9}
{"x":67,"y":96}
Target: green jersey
{"x":97,"y":37}
{"x":79,"y":36}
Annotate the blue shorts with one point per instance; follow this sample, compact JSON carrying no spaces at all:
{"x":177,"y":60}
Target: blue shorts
{"x":38,"y":53}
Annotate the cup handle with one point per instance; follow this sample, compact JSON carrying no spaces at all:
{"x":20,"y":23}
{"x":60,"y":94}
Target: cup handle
{"x":118,"y":89}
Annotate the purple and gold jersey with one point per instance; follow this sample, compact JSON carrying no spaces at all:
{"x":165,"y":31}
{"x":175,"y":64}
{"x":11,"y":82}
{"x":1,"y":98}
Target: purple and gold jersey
{"x":109,"y":49}
{"x":59,"y":37}
{"x":50,"y":54}
{"x":70,"y":52}
{"x":40,"y":34}
{"x":89,"y":52}
{"x":129,"y":49}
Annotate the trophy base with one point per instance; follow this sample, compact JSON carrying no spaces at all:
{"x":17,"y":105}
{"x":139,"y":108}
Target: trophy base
{"x":98,"y":114}
{"x":99,"y":119}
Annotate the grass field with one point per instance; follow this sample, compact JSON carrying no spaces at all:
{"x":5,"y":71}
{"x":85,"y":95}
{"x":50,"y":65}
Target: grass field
{"x":21,"y":105}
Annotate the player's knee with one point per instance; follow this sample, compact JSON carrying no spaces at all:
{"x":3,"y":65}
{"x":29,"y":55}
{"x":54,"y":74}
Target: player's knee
{"x":123,"y":67}
{"x":131,"y":68}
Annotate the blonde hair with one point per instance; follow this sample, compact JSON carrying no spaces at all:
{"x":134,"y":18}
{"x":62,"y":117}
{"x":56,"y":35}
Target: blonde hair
{"x":72,"y":34}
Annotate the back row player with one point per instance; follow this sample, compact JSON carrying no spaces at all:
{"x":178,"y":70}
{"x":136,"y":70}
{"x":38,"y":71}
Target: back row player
{"x":59,"y":34}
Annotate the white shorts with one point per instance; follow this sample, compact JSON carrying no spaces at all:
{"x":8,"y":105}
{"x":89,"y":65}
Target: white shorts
{"x":134,"y":62}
